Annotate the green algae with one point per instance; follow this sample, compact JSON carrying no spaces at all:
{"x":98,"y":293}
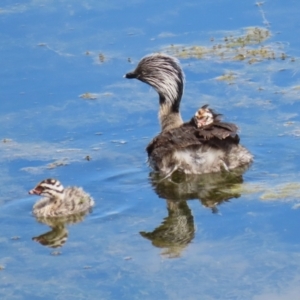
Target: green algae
{"x":246,"y":47}
{"x":283,"y":191}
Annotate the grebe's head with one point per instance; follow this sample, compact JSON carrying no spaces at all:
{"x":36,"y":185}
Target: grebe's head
{"x":50,"y":188}
{"x":205,"y":116}
{"x":164,"y":74}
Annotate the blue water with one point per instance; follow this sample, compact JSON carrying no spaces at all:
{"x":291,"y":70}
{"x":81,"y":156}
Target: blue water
{"x":235,"y":238}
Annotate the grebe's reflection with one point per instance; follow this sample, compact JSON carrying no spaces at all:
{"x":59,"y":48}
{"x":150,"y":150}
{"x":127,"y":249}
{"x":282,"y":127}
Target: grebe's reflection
{"x":58,"y":234}
{"x":177,"y":230}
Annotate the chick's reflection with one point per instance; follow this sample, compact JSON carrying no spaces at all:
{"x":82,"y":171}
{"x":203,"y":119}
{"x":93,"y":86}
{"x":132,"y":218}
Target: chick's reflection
{"x":58,"y":234}
{"x":177,"y":229}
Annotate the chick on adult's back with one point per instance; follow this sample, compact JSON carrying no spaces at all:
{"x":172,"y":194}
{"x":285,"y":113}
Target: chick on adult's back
{"x":195,"y":147}
{"x":59,"y":201}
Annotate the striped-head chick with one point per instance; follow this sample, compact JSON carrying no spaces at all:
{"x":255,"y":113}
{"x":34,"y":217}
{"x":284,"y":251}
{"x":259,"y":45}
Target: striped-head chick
{"x":204,"y":116}
{"x":50,"y":188}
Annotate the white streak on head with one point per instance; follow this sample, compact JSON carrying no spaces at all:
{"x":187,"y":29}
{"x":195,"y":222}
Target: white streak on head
{"x":165,"y":75}
{"x":50,"y":188}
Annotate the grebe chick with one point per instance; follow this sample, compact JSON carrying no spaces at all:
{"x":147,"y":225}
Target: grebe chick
{"x":183,"y":146}
{"x":211,"y":126}
{"x":60,"y":201}
{"x":204,"y":116}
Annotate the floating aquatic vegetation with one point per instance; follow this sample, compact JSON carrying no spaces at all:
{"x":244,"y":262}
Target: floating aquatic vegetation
{"x":230,"y":76}
{"x":283,"y":192}
{"x":101,"y":57}
{"x":244,"y":188}
{"x":87,"y":267}
{"x":246,"y":47}
{"x":58,"y":163}
{"x":92,"y":96}
{"x":88,"y":96}
{"x":289,"y":190}
{"x":252,"y":36}
{"x":6,"y":140}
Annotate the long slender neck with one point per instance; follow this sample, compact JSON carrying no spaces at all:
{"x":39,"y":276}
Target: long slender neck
{"x":169,"y":114}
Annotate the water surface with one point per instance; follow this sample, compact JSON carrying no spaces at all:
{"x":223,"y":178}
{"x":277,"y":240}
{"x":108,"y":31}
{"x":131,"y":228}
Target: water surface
{"x":67,"y":113}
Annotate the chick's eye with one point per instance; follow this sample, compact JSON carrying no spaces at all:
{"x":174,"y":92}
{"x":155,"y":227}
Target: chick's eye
{"x":39,"y":189}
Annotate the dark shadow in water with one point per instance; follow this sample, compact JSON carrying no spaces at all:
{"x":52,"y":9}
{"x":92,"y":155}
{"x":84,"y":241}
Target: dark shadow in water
{"x":58,"y":234}
{"x":177,"y":230}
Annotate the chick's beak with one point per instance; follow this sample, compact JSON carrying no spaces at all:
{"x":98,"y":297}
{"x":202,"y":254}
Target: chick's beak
{"x":34,"y":192}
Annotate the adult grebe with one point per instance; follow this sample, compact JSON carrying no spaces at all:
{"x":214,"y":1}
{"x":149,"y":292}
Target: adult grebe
{"x":203,"y":145}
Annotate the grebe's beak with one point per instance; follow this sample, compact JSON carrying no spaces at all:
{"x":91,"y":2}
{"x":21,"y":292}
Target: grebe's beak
{"x":130,"y":75}
{"x":34,"y":192}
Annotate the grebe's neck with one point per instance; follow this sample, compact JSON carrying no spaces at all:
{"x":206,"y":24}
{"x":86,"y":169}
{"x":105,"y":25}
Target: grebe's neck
{"x":169,"y":114}
{"x":165,"y":75}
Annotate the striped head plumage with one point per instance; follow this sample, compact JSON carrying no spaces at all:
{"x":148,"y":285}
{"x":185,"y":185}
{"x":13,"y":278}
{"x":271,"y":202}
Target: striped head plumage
{"x":50,"y":188}
{"x":205,"y":116}
{"x":59,"y":201}
{"x":164,"y":74}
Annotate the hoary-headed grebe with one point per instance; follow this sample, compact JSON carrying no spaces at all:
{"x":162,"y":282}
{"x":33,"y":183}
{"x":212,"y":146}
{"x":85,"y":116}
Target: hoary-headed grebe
{"x":59,"y":201}
{"x":203,"y":145}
